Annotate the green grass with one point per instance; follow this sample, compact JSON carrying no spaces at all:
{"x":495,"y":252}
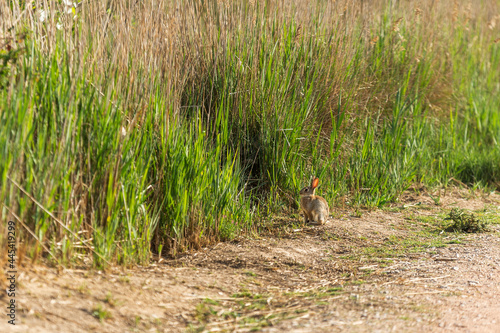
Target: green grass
{"x":101,"y":313}
{"x":320,"y":293}
{"x":110,"y":299}
{"x":403,"y":248}
{"x":185,"y":127}
{"x":423,"y":236}
{"x":490,"y":214}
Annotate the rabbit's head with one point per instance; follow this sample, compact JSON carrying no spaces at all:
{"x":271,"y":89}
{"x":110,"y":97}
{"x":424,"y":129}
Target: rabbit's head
{"x":309,"y":190}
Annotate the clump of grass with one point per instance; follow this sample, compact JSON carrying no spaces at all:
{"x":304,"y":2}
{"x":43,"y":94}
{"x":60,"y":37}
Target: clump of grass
{"x":462,"y":221}
{"x":110,"y":299}
{"x":204,"y":311}
{"x":101,"y":313}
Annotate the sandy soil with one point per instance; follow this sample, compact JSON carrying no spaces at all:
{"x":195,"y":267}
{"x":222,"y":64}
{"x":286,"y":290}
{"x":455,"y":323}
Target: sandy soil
{"x":385,"y":270}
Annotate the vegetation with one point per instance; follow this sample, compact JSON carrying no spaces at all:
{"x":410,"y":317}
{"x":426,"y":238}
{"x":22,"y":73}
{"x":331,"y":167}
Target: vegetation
{"x":101,"y":313}
{"x":132,"y":127}
{"x":465,"y":222}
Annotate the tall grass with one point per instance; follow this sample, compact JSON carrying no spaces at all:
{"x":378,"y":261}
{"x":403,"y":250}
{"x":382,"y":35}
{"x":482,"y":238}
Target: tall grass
{"x":137,"y":127}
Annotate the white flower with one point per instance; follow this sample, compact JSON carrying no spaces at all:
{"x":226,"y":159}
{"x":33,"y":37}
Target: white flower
{"x":42,"y":14}
{"x":68,"y":6}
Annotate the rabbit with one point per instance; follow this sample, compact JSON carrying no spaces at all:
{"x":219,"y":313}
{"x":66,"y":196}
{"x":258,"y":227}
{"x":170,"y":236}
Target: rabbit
{"x":315,"y":208}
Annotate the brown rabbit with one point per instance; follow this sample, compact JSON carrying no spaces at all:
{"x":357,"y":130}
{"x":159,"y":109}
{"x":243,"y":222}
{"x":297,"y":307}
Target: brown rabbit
{"x":315,"y":208}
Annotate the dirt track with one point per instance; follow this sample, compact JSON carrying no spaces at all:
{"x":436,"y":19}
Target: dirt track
{"x":388,"y":270}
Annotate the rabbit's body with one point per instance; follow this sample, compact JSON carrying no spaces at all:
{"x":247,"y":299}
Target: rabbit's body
{"x":315,"y":208}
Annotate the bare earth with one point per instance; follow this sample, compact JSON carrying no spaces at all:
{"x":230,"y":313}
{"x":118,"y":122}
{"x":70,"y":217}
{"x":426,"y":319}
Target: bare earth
{"x":385,"y":270}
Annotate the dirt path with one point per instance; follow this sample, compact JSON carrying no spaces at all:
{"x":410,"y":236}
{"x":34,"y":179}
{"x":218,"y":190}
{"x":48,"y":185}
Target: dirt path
{"x":387,"y":270}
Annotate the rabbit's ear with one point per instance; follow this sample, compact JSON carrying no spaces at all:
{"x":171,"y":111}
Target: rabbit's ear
{"x":315,"y":182}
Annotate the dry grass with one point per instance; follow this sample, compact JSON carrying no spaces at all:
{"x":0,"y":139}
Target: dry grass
{"x":180,"y":41}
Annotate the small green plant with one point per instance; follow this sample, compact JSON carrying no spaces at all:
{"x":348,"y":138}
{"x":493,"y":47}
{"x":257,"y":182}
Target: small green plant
{"x":210,"y":301}
{"x":204,"y":311}
{"x":465,"y":222}
{"x":124,"y":279}
{"x":109,"y":299}
{"x":100,"y":312}
{"x":83,"y":289}
{"x":250,"y":273}
{"x":357,"y":213}
{"x":437,"y":199}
